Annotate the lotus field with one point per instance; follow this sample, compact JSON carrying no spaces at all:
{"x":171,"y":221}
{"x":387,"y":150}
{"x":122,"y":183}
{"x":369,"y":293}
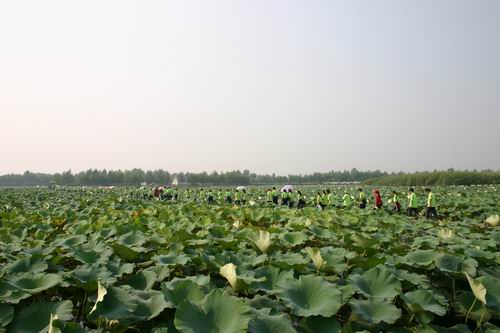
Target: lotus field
{"x":109,"y":260}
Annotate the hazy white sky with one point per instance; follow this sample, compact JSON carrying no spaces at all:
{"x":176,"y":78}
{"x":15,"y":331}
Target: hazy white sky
{"x":271,"y":86}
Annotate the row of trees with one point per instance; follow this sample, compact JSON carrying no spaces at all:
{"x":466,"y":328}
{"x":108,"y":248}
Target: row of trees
{"x":135,"y":177}
{"x":449,"y":177}
{"x":93,"y":177}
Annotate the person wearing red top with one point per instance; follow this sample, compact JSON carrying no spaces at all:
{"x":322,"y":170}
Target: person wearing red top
{"x":377,"y":198}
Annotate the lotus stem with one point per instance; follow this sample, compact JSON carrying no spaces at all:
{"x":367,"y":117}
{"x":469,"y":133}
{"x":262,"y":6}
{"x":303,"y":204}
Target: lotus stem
{"x":470,"y":309}
{"x":411,"y":318}
{"x":480,"y":320}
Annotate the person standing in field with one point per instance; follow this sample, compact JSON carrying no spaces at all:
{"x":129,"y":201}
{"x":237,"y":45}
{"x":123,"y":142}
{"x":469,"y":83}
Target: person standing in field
{"x":430,"y":210}
{"x":329,"y":198}
{"x":237,"y":197}
{"x":284,"y":198}
{"x":274,"y":193}
{"x":346,"y":200}
{"x":412,"y":203}
{"x":301,"y":202}
{"x":291,"y":198}
{"x":228,"y":195}
{"x":210,"y":197}
{"x":362,"y":198}
{"x":269,"y":196}
{"x":377,"y":198}
{"x":395,"y":202}
{"x":243,"y":197}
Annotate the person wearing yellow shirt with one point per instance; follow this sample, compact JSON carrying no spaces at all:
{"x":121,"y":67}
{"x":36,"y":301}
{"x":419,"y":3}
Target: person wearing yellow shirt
{"x":346,"y":200}
{"x":412,"y":203}
{"x":430,"y":210}
{"x":362,"y":198}
{"x":395,"y":202}
{"x":274,"y":194}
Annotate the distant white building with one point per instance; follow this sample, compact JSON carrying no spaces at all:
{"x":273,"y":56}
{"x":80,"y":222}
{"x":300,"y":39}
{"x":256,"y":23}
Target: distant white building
{"x":177,"y":182}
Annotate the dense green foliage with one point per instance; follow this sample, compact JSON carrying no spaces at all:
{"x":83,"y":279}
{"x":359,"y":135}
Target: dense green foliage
{"x":93,"y":177}
{"x":94,"y":260}
{"x":449,"y":177}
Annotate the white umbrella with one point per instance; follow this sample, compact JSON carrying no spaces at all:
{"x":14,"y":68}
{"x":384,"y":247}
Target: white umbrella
{"x":239,"y":188}
{"x":286,"y":188}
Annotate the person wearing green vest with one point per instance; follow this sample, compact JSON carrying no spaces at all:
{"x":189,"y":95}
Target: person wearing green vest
{"x":269,"y":196}
{"x":274,"y":193}
{"x":329,"y":198}
{"x":291,"y":198}
{"x":284,"y":198}
{"x":412,"y":203}
{"x":229,"y":196}
{"x":395,"y":202}
{"x":430,"y":210}
{"x":301,"y":202}
{"x":243,"y":197}
{"x":362,"y":198}
{"x":346,"y":200}
{"x":237,"y":197}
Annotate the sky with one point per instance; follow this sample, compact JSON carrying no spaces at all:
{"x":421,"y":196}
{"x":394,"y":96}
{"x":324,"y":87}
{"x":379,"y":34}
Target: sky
{"x":273,"y":86}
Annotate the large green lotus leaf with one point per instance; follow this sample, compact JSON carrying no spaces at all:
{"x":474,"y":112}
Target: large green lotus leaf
{"x":33,"y":264}
{"x":113,"y":304}
{"x":492,"y":286}
{"x":418,"y":280}
{"x":6,"y":314}
{"x":149,"y":305}
{"x":374,"y":311}
{"x":265,"y":302}
{"x":218,"y":312}
{"x":86,"y":277}
{"x":201,"y":280}
{"x":469,"y":266}
{"x":422,"y":257}
{"x":263,"y":322}
{"x":181,"y":291}
{"x":293,"y":238}
{"x":34,"y":283}
{"x":71,"y":241}
{"x":334,"y":261}
{"x":448,"y":263}
{"x":362,"y":241}
{"x":289,"y":260}
{"x":310,"y":296}
{"x":125,"y":252}
{"x":172,"y":259}
{"x":10,"y":294}
{"x":132,"y":239}
{"x":92,"y":253}
{"x":376,"y":282}
{"x":423,"y":300}
{"x":273,"y":275}
{"x":319,"y":324}
{"x":36,"y":317}
{"x":142,"y":280}
{"x":118,"y":268}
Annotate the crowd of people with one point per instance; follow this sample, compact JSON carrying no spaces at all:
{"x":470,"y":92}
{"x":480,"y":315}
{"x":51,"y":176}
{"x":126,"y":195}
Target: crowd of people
{"x":288,"y":197}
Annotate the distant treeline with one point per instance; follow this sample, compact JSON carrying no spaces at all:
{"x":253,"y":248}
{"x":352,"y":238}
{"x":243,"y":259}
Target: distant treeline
{"x":449,"y":177}
{"x":135,"y":177}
